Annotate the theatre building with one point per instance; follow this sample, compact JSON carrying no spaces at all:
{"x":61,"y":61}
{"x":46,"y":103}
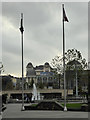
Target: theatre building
{"x":42,"y":74}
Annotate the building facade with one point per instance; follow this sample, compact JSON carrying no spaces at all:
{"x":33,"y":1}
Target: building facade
{"x":41,"y":75}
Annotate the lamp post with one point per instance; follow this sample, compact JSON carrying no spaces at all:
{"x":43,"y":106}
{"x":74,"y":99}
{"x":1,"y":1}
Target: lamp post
{"x":76,"y":81}
{"x":77,"y":67}
{"x":21,"y":30}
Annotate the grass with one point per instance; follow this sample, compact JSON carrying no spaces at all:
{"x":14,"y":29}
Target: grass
{"x":33,"y":105}
{"x":69,"y":105}
{"x":73,"y":105}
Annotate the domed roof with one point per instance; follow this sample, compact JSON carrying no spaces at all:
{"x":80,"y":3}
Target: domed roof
{"x":46,"y":63}
{"x":30,"y":70}
{"x":29,"y":65}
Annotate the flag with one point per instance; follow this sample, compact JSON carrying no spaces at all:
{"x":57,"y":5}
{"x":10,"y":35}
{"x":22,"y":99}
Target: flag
{"x":64,"y":16}
{"x":21,"y":28}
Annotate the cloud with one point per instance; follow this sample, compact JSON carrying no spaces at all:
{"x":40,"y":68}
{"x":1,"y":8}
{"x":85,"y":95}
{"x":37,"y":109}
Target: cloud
{"x":43,"y":32}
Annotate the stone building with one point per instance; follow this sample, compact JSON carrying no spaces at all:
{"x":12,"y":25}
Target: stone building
{"x":40,"y":74}
{"x":30,"y":73}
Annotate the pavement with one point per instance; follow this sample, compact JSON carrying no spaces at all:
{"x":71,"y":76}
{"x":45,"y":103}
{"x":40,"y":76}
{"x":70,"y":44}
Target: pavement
{"x":14,"y":111}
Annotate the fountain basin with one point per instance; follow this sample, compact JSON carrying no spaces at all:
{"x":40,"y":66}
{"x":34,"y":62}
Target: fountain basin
{"x":45,"y":105}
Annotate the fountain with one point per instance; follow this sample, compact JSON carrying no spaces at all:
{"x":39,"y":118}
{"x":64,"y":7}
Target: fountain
{"x":35,"y":93}
{"x":42,"y":104}
{"x":39,"y":97}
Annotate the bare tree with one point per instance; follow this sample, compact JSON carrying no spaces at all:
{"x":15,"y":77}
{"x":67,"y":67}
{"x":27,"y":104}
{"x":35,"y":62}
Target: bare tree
{"x":1,"y":68}
{"x":70,"y":55}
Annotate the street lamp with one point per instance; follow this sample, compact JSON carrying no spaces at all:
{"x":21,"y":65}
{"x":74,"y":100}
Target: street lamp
{"x":77,"y":67}
{"x":76,"y":81}
{"x":21,"y":30}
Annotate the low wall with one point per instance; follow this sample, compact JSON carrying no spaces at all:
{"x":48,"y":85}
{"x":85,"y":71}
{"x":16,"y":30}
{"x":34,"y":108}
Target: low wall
{"x":70,"y":92}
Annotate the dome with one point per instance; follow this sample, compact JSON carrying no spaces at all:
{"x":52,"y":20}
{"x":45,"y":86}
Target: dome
{"x":29,"y":65}
{"x":46,"y":63}
{"x":30,"y":70}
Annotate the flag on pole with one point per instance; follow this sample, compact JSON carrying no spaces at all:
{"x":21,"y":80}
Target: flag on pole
{"x":64,"y":16}
{"x":21,"y":28}
{"x":64,"y":75}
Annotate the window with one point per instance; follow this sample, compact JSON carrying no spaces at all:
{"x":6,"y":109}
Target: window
{"x":39,"y":79}
{"x":50,"y":79}
{"x":44,"y":79}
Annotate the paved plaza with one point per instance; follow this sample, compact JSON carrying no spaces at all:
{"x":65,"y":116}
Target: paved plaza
{"x":14,"y":111}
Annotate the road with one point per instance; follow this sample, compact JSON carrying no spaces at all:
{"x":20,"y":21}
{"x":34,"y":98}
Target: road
{"x":14,"y":111}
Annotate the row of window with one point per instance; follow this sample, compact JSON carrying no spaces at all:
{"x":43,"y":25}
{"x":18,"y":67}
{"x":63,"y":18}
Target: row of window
{"x":44,"y":78}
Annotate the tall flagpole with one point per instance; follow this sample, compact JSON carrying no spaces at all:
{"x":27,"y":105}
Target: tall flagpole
{"x":65,"y":108}
{"x":22,"y":29}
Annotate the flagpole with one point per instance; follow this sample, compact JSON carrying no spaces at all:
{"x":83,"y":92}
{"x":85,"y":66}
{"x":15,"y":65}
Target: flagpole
{"x":65,"y":108}
{"x":22,"y":29}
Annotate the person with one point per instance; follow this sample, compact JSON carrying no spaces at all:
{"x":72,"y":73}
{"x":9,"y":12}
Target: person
{"x":27,"y":99}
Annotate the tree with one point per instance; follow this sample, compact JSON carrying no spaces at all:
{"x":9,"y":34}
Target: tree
{"x":41,"y":85}
{"x":7,"y":83}
{"x":73,"y":54}
{"x":70,"y":55}
{"x":57,"y":63}
{"x":9,"y":86}
{"x":76,"y":64}
{"x":56,"y":80}
{"x":73,"y":61}
{"x":1,"y":67}
{"x":31,"y":83}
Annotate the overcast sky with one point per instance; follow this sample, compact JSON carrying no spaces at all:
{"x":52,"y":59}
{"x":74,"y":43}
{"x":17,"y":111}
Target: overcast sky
{"x":43,"y":32}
